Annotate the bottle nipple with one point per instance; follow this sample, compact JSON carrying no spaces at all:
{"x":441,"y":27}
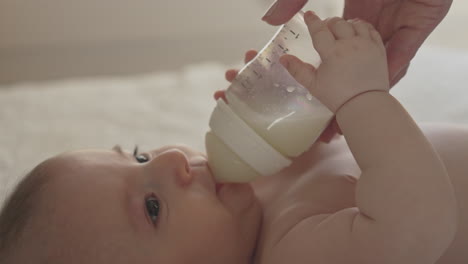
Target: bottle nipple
{"x":248,"y":147}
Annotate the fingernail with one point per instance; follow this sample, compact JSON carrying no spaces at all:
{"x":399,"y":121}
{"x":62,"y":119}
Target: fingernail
{"x":309,"y":13}
{"x":270,"y":10}
{"x":396,"y":77}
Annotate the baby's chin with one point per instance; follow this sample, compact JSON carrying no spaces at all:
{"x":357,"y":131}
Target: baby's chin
{"x":243,"y":202}
{"x":237,"y":197}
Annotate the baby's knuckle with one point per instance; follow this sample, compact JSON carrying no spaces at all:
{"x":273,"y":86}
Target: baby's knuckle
{"x":357,"y":44}
{"x":322,"y":31}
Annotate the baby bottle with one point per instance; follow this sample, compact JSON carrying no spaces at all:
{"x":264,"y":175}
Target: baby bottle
{"x":268,"y":117}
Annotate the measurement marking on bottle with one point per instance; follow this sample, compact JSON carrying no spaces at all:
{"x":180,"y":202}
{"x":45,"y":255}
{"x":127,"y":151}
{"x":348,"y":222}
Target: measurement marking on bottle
{"x":268,"y":60}
{"x":258,"y":74}
{"x":294,"y":33}
{"x":297,"y":35}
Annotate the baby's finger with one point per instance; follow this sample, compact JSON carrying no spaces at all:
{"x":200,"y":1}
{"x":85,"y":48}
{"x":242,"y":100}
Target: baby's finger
{"x":322,"y":38}
{"x":303,"y":72}
{"x":249,"y":55}
{"x":231,"y":74}
{"x":366,"y":30}
{"x":376,"y":37}
{"x":362,"y":29}
{"x":340,"y":28}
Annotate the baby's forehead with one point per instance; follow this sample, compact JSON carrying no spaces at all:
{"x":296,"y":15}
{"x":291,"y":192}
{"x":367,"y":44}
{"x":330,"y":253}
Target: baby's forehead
{"x":74,"y":181}
{"x":78,"y":169}
{"x":81,"y":159}
{"x":54,"y":169}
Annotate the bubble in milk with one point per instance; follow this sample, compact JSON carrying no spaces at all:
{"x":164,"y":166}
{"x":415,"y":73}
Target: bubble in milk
{"x":291,"y":89}
{"x":276,"y":85}
{"x":309,"y":97}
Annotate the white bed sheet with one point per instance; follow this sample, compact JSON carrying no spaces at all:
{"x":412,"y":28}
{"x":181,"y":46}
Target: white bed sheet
{"x":39,"y":120}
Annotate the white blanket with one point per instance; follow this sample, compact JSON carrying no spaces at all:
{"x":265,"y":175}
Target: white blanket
{"x":39,"y":120}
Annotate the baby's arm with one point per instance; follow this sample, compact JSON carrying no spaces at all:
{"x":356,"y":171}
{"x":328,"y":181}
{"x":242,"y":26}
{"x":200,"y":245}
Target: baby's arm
{"x":406,"y":208}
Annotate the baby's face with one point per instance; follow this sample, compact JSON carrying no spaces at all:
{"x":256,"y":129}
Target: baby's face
{"x":108,"y":207}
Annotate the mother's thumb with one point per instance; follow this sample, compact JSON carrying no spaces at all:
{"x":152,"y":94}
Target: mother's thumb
{"x":281,"y":11}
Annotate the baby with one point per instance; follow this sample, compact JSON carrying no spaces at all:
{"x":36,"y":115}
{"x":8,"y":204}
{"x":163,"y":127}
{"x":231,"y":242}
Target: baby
{"x":385,"y":193}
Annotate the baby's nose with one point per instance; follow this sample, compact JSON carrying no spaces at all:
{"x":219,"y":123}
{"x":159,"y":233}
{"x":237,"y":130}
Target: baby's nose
{"x":175,"y":163}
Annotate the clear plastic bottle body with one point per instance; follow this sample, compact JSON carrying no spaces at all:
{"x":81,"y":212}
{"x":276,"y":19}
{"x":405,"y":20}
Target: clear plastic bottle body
{"x":271,"y":102}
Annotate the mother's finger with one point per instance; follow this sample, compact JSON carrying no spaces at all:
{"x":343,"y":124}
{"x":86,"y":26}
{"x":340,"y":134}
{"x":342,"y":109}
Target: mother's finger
{"x":249,"y":55}
{"x":220,"y":94}
{"x":231,"y":74}
{"x":400,"y":75}
{"x":283,"y":10}
{"x":401,"y":49}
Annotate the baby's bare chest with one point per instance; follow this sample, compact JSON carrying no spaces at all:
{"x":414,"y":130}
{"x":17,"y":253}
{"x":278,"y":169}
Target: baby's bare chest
{"x":328,"y":185}
{"x":452,"y":145}
{"x":319,"y":184}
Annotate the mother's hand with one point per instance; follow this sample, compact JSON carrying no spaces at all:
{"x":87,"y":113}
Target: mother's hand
{"x":403,"y":24}
{"x":232,"y":73}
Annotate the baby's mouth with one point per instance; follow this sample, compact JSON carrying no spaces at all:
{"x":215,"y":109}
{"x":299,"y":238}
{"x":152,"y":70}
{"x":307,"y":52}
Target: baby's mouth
{"x":201,"y":161}
{"x":198,"y":161}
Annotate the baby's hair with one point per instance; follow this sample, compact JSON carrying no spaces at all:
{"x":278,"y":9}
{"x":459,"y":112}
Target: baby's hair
{"x":18,"y":209}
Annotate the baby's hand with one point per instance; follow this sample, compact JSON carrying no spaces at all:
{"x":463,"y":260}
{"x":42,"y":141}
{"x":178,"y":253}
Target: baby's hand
{"x":327,"y":135}
{"x":353,"y":61}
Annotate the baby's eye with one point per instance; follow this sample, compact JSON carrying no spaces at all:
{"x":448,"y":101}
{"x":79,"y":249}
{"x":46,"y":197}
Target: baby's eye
{"x":152,"y":208}
{"x":140,"y":158}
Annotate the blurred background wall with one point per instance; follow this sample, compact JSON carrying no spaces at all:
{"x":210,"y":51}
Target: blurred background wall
{"x":49,"y":39}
